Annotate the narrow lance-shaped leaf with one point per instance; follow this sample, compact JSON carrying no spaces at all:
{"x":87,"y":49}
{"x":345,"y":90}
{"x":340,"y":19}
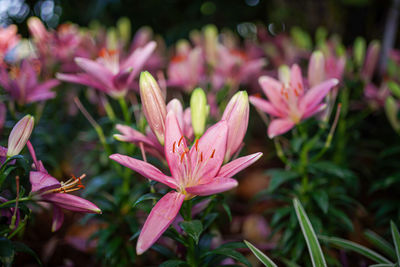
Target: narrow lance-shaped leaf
{"x":380,"y":243}
{"x":396,"y":240}
{"x":349,"y":245}
{"x":314,"y":248}
{"x":261,"y":256}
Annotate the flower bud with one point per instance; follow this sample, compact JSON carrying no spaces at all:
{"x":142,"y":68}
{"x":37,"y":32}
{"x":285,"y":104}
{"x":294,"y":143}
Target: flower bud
{"x":371,"y":60}
{"x":359,"y":51}
{"x":211,"y":43}
{"x":316,"y":69}
{"x":392,"y":110}
{"x":37,"y":29}
{"x":284,"y":74}
{"x":124,"y":29}
{"x":199,"y":111}
{"x":153,"y":104}
{"x":236,"y":115}
{"x":19,"y":135}
{"x":394,"y":88}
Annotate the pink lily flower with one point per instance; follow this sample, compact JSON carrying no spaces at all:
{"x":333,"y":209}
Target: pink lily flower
{"x":289,"y":102}
{"x":23,"y":85}
{"x":46,"y":188}
{"x":8,"y":39}
{"x":108,"y":73}
{"x":186,"y":68}
{"x":195,"y":171}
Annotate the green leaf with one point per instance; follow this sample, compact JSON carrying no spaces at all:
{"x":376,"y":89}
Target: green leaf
{"x":233,"y":245}
{"x":383,"y":265}
{"x":227,"y":210}
{"x":261,"y":256}
{"x":21,"y":247}
{"x":314,"y":248}
{"x":322,"y":200}
{"x":396,"y":240}
{"x":6,"y":252}
{"x":380,"y":243}
{"x":229,"y":253}
{"x":149,"y":196}
{"x":193,"y":228}
{"x":173,"y":263}
{"x":209,"y":219}
{"x":279,"y":177}
{"x":349,"y":245}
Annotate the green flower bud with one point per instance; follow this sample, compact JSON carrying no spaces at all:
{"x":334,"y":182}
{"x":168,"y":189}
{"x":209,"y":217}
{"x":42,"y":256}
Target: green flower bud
{"x":199,"y":111}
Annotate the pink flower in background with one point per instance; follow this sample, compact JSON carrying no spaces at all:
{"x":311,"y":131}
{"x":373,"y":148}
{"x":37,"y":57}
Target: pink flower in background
{"x":234,"y":67}
{"x":46,"y":188}
{"x":186,"y":68}
{"x":8,"y":39}
{"x":22,"y":83}
{"x":289,"y":102}
{"x":195,"y":171}
{"x":108,"y":73}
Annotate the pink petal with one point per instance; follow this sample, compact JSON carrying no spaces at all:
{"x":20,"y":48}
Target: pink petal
{"x":71,"y":202}
{"x":160,"y":218}
{"x":265,"y":106}
{"x":137,"y":59}
{"x":131,"y":135}
{"x":42,"y":181}
{"x":272,"y":89}
{"x":296,"y":79}
{"x":315,"y":110}
{"x":145,"y":169}
{"x":58,"y":218}
{"x":314,"y":96}
{"x":82,"y":78}
{"x":279,"y":126}
{"x":215,"y":186}
{"x":209,"y":153}
{"x":233,"y":167}
{"x":175,"y":146}
{"x":96,"y":70}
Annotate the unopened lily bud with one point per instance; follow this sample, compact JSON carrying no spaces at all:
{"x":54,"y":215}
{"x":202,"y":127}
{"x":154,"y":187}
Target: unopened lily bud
{"x":236,"y":114}
{"x":211,"y":42}
{"x":199,"y":111}
{"x":284,"y":74}
{"x":371,"y":60}
{"x":154,"y":107}
{"x":124,"y":29}
{"x":392,"y":110}
{"x":112,"y":39}
{"x":19,"y":135}
{"x":394,"y":88}
{"x":316,"y":69}
{"x":37,"y":28}
{"x":359,"y":51}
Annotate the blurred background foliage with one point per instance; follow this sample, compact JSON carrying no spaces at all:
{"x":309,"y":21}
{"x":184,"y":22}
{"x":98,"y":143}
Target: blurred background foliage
{"x":174,"y":19}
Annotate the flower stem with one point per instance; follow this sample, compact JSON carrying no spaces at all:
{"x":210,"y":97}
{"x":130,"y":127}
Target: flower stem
{"x":28,"y":198}
{"x":125,"y":110}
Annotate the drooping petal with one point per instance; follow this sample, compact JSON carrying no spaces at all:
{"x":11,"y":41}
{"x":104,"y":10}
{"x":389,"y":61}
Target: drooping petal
{"x":265,"y":106}
{"x":175,"y":146}
{"x":235,"y":166}
{"x":42,"y":181}
{"x":161,"y":216}
{"x":82,"y":78}
{"x":215,"y":186}
{"x":96,"y":70}
{"x":314,"y":96}
{"x":70,"y":202}
{"x":208,"y":154}
{"x":58,"y":218}
{"x":279,"y":126}
{"x":145,"y":169}
{"x":128,"y":134}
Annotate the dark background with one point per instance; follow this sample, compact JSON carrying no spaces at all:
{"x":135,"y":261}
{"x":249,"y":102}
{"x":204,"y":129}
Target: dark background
{"x":175,"y":18}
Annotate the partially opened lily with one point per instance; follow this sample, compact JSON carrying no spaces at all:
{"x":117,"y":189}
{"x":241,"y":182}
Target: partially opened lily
{"x":195,"y":171}
{"x":108,"y":73}
{"x":289,"y":101}
{"x":46,"y":188}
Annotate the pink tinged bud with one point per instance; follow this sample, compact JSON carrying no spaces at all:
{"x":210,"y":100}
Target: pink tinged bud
{"x":154,"y":107}
{"x":37,"y":28}
{"x":316,"y":69}
{"x":20,"y":135}
{"x":236,"y":115}
{"x":371,"y":60}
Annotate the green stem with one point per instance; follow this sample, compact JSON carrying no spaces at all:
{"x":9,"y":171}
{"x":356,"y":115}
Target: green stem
{"x":108,"y":108}
{"x":28,"y":198}
{"x":280,"y":154}
{"x":125,"y":110}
